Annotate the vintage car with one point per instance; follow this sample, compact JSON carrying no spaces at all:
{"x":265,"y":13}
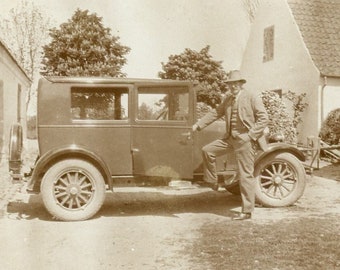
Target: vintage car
{"x":98,"y":133}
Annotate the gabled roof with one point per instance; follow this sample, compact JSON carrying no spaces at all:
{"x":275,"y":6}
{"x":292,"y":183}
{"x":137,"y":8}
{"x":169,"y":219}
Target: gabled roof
{"x":319,"y":24}
{"x":8,"y":51}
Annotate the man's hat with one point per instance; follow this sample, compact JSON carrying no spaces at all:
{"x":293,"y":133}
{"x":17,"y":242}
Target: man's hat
{"x":235,"y":76}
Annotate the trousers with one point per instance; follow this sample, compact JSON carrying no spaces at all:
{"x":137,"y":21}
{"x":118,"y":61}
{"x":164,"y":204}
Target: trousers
{"x":245,"y":156}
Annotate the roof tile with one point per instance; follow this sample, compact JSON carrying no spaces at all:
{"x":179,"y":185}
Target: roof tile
{"x":319,"y":23}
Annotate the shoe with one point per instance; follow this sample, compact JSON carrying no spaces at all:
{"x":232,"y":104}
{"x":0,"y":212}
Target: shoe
{"x":230,"y":180}
{"x":218,"y":187}
{"x":213,"y":186}
{"x":242,"y":216}
{"x":31,"y":192}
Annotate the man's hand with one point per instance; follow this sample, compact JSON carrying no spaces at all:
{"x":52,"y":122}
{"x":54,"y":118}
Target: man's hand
{"x":195,"y":127}
{"x":246,"y":137}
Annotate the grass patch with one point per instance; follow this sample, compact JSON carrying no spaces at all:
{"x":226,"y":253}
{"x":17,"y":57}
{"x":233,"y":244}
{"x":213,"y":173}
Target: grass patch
{"x":306,"y":243}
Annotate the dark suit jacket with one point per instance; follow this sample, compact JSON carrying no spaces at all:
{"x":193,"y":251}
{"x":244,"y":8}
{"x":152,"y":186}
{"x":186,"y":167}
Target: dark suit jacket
{"x":251,"y":112}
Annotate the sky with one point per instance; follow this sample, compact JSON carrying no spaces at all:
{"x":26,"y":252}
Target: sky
{"x":156,"y":29}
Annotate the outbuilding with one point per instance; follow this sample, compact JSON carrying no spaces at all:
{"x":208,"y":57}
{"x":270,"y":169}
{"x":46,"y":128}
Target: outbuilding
{"x":14,"y":85}
{"x":295,"y":45}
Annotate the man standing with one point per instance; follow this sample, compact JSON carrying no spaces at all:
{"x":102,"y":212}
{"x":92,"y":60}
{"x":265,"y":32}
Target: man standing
{"x":246,"y":119}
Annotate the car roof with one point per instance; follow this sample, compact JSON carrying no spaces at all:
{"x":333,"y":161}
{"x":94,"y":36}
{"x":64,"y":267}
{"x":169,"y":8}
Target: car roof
{"x":109,"y":80}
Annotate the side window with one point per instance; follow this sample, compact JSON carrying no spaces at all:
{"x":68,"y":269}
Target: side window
{"x":93,"y":103}
{"x":163,"y":103}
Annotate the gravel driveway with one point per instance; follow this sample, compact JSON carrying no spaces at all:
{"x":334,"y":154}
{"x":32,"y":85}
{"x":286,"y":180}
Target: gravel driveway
{"x":138,"y":228}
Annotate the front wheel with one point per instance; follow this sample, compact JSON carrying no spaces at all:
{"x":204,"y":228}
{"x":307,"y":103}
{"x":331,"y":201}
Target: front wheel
{"x":281,"y":180}
{"x":73,"y":189}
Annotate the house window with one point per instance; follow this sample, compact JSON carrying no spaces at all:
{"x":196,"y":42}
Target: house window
{"x":268,"y":44}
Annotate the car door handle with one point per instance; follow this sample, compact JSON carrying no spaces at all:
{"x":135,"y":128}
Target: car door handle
{"x":187,"y":135}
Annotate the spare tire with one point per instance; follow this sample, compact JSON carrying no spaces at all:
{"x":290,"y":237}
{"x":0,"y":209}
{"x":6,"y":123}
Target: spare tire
{"x":15,"y":148}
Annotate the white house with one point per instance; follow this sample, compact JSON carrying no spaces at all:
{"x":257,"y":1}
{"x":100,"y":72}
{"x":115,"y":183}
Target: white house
{"x":295,"y":45}
{"x":14,"y":84}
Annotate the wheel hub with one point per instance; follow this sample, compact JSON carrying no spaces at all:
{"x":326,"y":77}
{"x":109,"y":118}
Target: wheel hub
{"x":277,"y":179}
{"x":73,"y":190}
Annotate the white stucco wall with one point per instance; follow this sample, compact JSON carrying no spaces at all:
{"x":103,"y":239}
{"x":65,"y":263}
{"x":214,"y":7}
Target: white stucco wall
{"x":331,"y":96}
{"x":291,"y":68}
{"x":11,"y":76}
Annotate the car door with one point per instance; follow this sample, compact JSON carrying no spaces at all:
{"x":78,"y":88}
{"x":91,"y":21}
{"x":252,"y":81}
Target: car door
{"x":101,"y":123}
{"x":162,"y":143}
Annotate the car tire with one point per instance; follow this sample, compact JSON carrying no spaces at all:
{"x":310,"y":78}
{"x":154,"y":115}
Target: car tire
{"x":281,"y":180}
{"x":15,"y":148}
{"x":72,"y":190}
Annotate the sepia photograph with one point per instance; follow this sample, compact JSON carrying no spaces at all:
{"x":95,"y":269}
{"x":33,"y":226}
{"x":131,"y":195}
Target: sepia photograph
{"x":170,"y":134}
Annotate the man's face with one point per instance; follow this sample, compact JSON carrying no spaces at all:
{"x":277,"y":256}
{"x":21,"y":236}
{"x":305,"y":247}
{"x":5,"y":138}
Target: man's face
{"x":235,"y":87}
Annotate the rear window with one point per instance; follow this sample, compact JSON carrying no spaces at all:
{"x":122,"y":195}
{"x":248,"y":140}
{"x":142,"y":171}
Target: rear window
{"x":104,"y":103}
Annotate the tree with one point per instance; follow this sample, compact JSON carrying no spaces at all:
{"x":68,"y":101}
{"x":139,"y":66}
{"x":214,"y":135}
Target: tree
{"x":199,"y":67}
{"x":84,"y":47}
{"x":145,"y":112}
{"x":25,"y":32}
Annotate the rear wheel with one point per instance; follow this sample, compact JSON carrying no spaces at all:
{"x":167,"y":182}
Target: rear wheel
{"x":281,"y":180}
{"x":73,"y":189}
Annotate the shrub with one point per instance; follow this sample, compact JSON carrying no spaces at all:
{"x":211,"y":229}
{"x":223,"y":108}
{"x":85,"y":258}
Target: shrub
{"x":280,"y":122}
{"x":299,"y":105}
{"x":330,"y":129}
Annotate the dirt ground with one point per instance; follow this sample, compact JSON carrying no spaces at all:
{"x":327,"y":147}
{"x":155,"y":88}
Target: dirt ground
{"x":329,"y":170}
{"x":149,"y":228}
{"x":154,"y":228}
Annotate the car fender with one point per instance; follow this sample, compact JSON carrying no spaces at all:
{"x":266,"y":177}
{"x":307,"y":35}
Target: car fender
{"x":280,"y":148}
{"x":68,"y":151}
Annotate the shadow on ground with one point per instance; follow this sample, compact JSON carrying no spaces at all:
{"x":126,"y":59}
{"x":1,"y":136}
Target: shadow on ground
{"x":120,"y":204}
{"x":331,"y":171}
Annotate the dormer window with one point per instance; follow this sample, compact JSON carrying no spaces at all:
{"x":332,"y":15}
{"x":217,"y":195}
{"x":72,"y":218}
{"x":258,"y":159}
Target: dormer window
{"x":268,"y":44}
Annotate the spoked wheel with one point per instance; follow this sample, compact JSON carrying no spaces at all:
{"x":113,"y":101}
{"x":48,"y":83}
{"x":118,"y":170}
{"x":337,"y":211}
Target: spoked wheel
{"x":73,"y":189}
{"x":281,"y":180}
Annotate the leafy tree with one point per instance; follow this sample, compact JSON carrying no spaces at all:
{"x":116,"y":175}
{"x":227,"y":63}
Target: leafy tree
{"x":84,"y":47}
{"x":145,"y":112}
{"x":199,"y":67}
{"x":25,"y":31}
